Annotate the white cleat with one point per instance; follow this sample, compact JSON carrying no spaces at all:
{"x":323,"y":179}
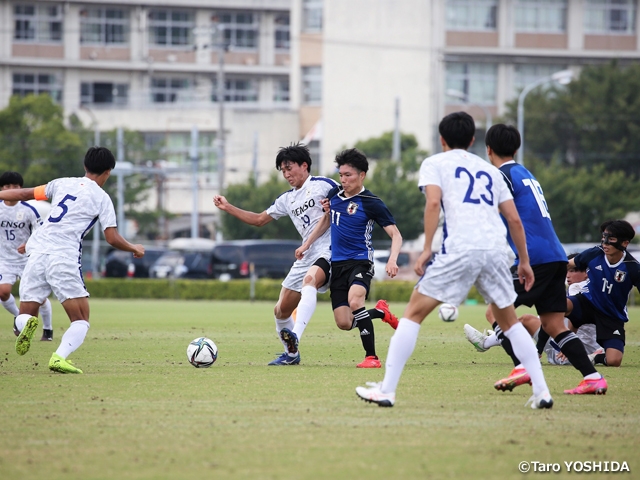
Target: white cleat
{"x":543,"y":400}
{"x":592,"y":356}
{"x":475,"y":337}
{"x":372,"y":394}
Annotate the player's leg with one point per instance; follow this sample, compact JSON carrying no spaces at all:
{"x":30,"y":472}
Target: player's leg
{"x":315,"y":278}
{"x":78,"y":312}
{"x":287,"y":303}
{"x":33,"y":290}
{"x":362,"y":320}
{"x":7,"y":299}
{"x":47,"y":325}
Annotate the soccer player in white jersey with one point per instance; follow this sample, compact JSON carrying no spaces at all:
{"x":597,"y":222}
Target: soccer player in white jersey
{"x":55,"y":250}
{"x":18,"y":220}
{"x":472,"y":194}
{"x":310,"y":274}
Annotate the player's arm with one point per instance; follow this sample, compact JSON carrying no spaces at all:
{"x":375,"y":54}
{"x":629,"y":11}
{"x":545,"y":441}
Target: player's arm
{"x":396,"y":243}
{"x":322,"y":226}
{"x":19,"y":194}
{"x":250,"y":218}
{"x":516,"y":229}
{"x":431,"y":217}
{"x":118,"y":241}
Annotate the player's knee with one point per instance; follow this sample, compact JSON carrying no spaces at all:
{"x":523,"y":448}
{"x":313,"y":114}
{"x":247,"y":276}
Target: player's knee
{"x":4,"y":296}
{"x":308,"y":280}
{"x":614,"y":362}
{"x":342,"y":325}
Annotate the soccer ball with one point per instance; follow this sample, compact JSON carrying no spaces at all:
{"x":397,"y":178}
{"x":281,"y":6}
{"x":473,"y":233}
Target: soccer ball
{"x":448,"y":312}
{"x":202,"y":352}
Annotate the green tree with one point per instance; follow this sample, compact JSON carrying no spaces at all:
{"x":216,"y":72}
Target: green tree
{"x":580,"y":199}
{"x":35,"y":142}
{"x":257,"y":198}
{"x":396,"y":183}
{"x":593,"y":120}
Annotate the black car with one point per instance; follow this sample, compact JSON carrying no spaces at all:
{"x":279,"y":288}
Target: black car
{"x":123,"y":264}
{"x":270,"y":258}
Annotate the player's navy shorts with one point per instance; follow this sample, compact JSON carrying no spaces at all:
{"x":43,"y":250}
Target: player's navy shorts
{"x":548,"y":293}
{"x":347,"y":273}
{"x":609,"y":331}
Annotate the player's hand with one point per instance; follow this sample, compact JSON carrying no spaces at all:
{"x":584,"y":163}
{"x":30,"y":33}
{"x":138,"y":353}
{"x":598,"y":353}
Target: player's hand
{"x":220,"y":202}
{"x":391,"y":268}
{"x":22,"y":249}
{"x":138,"y":251}
{"x":421,"y":263}
{"x":325,"y":204}
{"x":526,"y":276}
{"x":300,"y":251}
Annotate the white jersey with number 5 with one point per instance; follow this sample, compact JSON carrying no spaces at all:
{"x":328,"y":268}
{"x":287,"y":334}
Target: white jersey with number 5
{"x":472,"y":190}
{"x":76,"y":204}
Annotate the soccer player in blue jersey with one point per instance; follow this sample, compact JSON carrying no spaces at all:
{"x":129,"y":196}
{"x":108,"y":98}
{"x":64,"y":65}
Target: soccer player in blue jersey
{"x":352,"y":212}
{"x":612,"y":272}
{"x":546,"y":257}
{"x":471,"y":194}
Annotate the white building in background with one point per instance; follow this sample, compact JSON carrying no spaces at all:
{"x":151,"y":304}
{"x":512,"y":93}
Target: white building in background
{"x":326,"y":71}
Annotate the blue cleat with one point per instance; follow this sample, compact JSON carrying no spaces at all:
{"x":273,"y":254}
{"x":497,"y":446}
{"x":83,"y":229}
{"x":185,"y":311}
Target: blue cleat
{"x":290,"y":339}
{"x":286,"y":359}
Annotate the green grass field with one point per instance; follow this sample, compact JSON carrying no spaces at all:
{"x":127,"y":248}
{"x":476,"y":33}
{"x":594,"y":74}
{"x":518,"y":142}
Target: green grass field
{"x":140,"y":411}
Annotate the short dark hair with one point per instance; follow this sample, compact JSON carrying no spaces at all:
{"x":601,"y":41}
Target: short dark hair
{"x":457,"y":129}
{"x":573,"y":255}
{"x":503,"y":139}
{"x":98,"y":160}
{"x":296,"y":153}
{"x":621,"y":229}
{"x":353,"y":157}
{"x":11,"y":178}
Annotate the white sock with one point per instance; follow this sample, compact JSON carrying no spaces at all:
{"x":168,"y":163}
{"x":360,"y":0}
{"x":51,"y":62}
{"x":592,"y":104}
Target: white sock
{"x":45,"y":311}
{"x":306,"y":307}
{"x":73,"y":338}
{"x":491,"y":341}
{"x":526,"y":352}
{"x":10,"y":306}
{"x":400,"y":349}
{"x":283,"y":323}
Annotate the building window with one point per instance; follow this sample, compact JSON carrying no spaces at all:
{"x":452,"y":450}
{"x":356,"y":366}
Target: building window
{"x":311,"y":15}
{"x":610,"y":16}
{"x":168,"y":90}
{"x":104,"y":25}
{"x":546,"y":16}
{"x":477,"y":81}
{"x":311,"y":84}
{"x":37,"y":83}
{"x":282,"y":31}
{"x":472,"y":14}
{"x":527,"y":74}
{"x":240,"y":90}
{"x":281,"y":90}
{"x":38,"y":23}
{"x":176,"y":147}
{"x":171,"y":28}
{"x":240,"y":29}
{"x":104,"y":93}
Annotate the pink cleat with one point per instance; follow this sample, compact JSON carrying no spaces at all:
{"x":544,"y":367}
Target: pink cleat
{"x":589,"y":387}
{"x":389,"y":317}
{"x":518,"y":376}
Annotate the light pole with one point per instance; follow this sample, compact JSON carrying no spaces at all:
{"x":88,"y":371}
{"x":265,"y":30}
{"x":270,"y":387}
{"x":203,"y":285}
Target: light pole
{"x":563,"y":77}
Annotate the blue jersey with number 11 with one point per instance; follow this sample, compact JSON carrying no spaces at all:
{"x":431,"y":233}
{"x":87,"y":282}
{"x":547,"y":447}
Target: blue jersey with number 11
{"x":542,"y":242}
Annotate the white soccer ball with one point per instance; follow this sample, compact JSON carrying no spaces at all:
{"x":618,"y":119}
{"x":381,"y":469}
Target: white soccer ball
{"x":202,"y":352}
{"x":21,"y":321}
{"x":448,"y":312}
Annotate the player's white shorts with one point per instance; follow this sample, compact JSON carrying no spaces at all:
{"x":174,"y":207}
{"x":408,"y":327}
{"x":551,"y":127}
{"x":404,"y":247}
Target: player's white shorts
{"x":9,"y":274}
{"x":300,"y":268}
{"x":44,"y":274}
{"x":451,"y":275}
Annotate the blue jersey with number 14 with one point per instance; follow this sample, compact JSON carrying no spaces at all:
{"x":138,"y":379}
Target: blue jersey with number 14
{"x":542,"y":242}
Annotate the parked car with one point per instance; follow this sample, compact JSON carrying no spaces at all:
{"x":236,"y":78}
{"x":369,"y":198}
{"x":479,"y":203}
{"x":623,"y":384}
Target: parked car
{"x":123,"y":264}
{"x":168,"y":265}
{"x":175,"y":264}
{"x":405,"y":266}
{"x":271,"y":258}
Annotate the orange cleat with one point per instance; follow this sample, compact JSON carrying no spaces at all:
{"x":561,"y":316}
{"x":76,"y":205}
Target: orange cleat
{"x":389,"y":317}
{"x":518,"y":376}
{"x":370,"y":362}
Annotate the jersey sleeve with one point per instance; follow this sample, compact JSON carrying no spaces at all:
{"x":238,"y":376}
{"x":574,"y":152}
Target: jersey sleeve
{"x":582,"y":259}
{"x":107,"y":215}
{"x":378,"y":211}
{"x":278,"y":208}
{"x":428,"y":175}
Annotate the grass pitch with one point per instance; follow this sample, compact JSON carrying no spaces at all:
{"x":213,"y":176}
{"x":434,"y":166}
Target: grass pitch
{"x":141,"y":411}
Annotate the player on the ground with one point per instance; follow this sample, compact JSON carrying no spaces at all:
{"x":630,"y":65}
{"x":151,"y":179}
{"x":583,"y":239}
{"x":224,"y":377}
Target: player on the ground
{"x":308,"y":275}
{"x":55,"y":250}
{"x":18,"y":220}
{"x":549,"y":263}
{"x":352,"y":210}
{"x":612,"y":272}
{"x":472,"y":194}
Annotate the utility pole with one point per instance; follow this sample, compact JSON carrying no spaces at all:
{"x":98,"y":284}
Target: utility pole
{"x":255,"y":157}
{"x":221,"y":84}
{"x":194,"y":182}
{"x":395,"y":152}
{"x":120,"y":184}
